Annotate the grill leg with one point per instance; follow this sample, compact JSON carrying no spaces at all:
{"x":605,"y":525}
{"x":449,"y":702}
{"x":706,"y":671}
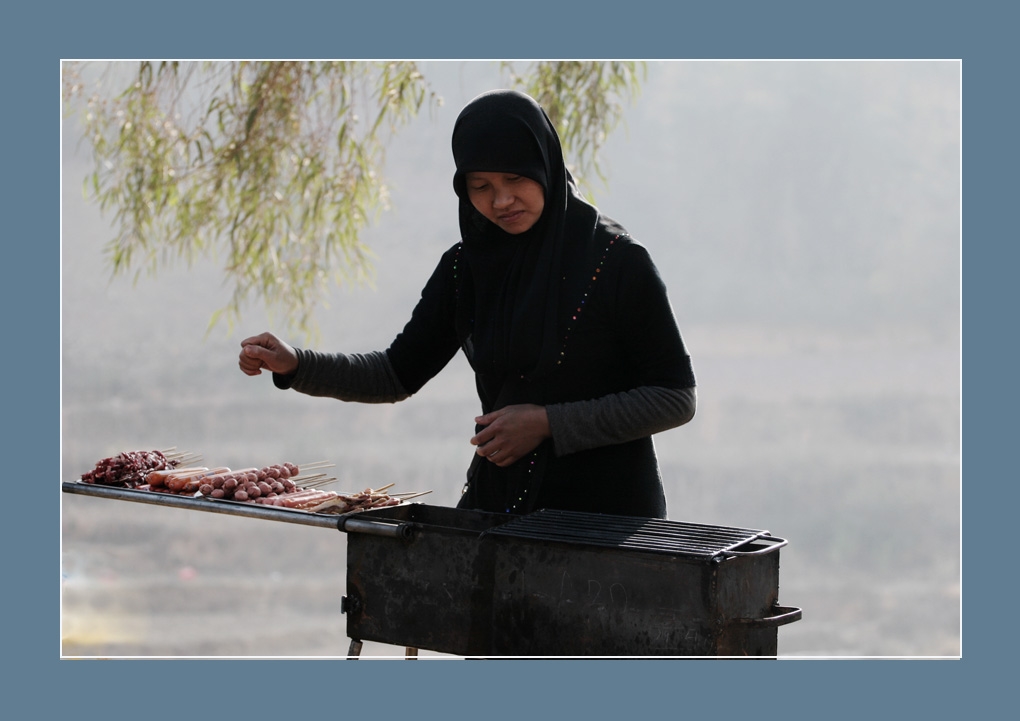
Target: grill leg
{"x":410,"y":654}
{"x":355,"y":650}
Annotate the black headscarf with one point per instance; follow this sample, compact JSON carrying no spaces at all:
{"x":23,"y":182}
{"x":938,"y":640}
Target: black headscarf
{"x":518,"y":286}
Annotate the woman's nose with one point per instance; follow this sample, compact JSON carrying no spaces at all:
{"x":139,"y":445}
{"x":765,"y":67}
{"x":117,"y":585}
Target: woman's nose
{"x":503,"y":198}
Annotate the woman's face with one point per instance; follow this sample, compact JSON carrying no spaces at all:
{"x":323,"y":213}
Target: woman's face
{"x":512,"y":202}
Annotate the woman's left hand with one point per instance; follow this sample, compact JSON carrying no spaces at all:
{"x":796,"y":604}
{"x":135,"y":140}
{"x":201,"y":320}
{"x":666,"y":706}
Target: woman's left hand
{"x":511,"y":433}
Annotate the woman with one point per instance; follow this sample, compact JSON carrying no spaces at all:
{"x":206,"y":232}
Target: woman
{"x":563,"y":317}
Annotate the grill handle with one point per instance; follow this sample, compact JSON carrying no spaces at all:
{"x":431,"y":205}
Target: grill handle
{"x":774,"y":544}
{"x":373,"y":527}
{"x":782,"y":616}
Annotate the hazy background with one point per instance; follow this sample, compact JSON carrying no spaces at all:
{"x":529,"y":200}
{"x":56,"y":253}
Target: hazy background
{"x":805,"y":217}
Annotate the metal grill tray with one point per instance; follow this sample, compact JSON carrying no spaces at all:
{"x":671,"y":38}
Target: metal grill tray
{"x":203,"y":503}
{"x":639,"y":534}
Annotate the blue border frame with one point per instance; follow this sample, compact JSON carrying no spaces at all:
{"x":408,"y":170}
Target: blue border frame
{"x":35,"y":39}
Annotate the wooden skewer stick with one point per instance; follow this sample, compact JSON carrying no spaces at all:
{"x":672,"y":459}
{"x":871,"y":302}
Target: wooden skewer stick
{"x":315,"y":481}
{"x":316,"y":465}
{"x":320,"y":484}
{"x":409,"y":494}
{"x":310,"y":486}
{"x":175,"y":454}
{"x":373,"y":492}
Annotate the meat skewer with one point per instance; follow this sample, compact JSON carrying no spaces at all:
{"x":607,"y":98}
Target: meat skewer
{"x":278,"y":485}
{"x":128,"y":469}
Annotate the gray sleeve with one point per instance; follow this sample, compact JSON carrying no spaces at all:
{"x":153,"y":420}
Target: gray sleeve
{"x":619,"y":417}
{"x":360,"y":377}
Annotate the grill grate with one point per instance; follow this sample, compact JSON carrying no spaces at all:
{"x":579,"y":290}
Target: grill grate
{"x":627,"y":532}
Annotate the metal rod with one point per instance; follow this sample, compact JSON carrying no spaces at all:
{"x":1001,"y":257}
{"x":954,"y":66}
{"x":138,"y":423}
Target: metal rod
{"x":774,"y":543}
{"x":351,"y":524}
{"x":630,"y":533}
{"x":201,"y":503}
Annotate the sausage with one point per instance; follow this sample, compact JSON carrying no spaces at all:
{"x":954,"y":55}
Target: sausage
{"x":305,"y":498}
{"x":290,"y":498}
{"x":190,"y":481}
{"x":158,"y":478}
{"x":308,"y":503}
{"x":175,"y":483}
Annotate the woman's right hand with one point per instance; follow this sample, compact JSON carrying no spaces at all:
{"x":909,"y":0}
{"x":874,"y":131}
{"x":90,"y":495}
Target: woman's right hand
{"x":266,"y":351}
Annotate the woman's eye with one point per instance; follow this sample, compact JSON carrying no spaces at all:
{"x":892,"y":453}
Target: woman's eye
{"x":477,"y":188}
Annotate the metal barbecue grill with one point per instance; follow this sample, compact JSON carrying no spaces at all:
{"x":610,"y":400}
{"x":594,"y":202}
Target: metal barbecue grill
{"x":551,"y":583}
{"x":640,"y":534}
{"x":581,"y":584}
{"x":556,"y":583}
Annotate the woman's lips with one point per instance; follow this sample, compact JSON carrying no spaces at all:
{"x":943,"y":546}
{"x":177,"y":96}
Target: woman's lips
{"x":511,"y":217}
